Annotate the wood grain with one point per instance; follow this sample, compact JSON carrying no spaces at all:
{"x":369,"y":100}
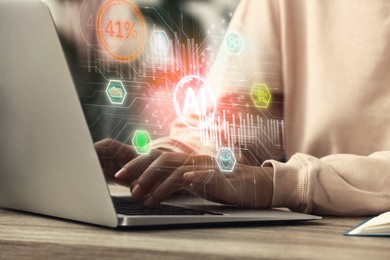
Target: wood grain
{"x":26,"y":236}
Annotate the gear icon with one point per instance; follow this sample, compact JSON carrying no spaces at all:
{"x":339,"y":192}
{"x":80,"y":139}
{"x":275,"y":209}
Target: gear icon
{"x":234,"y":43}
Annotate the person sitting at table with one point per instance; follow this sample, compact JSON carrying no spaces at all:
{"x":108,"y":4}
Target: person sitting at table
{"x":329,"y":60}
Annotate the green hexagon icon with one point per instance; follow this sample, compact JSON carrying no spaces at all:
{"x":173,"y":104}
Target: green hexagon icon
{"x":261,"y":95}
{"x":141,"y":142}
{"x":116,"y":92}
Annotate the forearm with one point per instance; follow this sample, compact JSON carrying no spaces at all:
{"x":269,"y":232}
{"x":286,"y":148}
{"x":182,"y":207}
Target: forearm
{"x":335,"y":185}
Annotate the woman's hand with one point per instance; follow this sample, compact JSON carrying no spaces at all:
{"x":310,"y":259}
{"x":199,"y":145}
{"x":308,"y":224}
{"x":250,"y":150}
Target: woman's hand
{"x":144,"y":172}
{"x":246,"y":186}
{"x":113,"y":155}
{"x":153,"y":178}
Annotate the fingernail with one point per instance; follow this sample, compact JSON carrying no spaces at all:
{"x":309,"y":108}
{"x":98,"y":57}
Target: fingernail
{"x":150,"y":202}
{"x":137,"y":191}
{"x":120,"y":173}
{"x":189,"y":176}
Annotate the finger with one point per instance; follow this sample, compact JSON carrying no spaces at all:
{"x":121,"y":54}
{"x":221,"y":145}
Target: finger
{"x":215,"y":184}
{"x":157,"y":165}
{"x":133,"y":169}
{"x":144,"y":196}
{"x":160,"y":169}
{"x":132,"y":185}
{"x":171,"y":184}
{"x":167,"y":163}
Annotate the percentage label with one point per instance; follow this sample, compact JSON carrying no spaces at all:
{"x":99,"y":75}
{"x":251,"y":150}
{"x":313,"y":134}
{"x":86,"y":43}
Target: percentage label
{"x":116,"y":29}
{"x":130,"y":28}
{"x":121,"y":29}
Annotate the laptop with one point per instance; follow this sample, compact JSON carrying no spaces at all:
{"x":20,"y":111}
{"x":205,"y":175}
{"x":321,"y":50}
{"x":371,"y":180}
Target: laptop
{"x":48,"y":163}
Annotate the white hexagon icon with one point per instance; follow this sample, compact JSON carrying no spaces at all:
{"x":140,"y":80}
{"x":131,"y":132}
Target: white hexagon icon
{"x":116,"y":92}
{"x":160,"y":42}
{"x":226,"y":160}
{"x":234,"y":43}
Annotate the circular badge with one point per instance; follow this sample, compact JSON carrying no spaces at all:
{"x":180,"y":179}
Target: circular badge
{"x":121,"y":29}
{"x":195,"y":102}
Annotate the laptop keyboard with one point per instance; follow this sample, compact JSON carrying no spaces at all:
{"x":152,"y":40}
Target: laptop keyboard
{"x":130,"y":207}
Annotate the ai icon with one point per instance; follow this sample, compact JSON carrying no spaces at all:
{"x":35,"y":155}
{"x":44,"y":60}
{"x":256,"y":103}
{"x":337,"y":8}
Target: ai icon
{"x":195,"y":102}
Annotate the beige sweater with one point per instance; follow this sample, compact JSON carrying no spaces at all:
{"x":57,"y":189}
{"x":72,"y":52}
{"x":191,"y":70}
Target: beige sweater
{"x":331,"y":61}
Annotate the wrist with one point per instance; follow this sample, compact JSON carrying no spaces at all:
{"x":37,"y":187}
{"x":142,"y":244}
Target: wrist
{"x":288,"y":184}
{"x":268,"y":187}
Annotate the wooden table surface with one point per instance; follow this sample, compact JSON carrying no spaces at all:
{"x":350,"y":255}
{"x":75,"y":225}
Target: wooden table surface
{"x":29,"y":236}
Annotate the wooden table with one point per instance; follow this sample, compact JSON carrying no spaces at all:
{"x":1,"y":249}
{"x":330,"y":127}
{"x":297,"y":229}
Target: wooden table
{"x":29,"y":236}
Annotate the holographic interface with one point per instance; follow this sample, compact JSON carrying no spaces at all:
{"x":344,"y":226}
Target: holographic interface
{"x":121,"y":29}
{"x":163,"y":65}
{"x":194,"y":97}
{"x":226,"y":160}
{"x":116,"y":92}
{"x":141,"y":142}
{"x":261,"y":95}
{"x":234,"y":43}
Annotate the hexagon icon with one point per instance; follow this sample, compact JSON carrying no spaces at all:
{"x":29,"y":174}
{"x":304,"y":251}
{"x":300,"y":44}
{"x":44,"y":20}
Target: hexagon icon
{"x":116,"y":92}
{"x":160,"y":42}
{"x":141,"y":142}
{"x":261,"y":95}
{"x":234,"y":43}
{"x":226,"y":160}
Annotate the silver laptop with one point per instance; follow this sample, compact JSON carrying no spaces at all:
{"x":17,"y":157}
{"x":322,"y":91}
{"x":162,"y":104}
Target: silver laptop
{"x":48,"y":163}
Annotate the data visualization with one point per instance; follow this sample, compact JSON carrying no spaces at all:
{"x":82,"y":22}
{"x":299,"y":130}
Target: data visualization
{"x":152,"y":69}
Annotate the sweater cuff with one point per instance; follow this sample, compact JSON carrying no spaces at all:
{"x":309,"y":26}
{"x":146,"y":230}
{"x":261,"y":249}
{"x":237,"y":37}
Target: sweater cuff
{"x":290,"y":183}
